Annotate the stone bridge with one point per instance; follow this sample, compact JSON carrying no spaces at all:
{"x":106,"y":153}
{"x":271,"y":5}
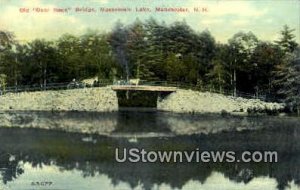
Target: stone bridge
{"x":141,"y":95}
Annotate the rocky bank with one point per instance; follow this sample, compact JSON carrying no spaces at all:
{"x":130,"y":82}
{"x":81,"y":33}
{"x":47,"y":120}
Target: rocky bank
{"x":188,"y":101}
{"x":88,"y":99}
{"x":104,"y":99}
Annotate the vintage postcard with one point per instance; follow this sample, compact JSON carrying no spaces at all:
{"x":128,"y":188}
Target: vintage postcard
{"x":149,"y":94}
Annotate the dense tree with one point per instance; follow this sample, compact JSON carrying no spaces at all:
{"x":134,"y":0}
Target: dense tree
{"x":286,"y":41}
{"x":70,"y":51}
{"x":219,"y":76}
{"x":291,"y":82}
{"x":266,"y":56}
{"x":242,"y":46}
{"x":175,"y":68}
{"x":154,"y":51}
{"x":205,"y":49}
{"x":191,"y":67}
{"x":118,"y":40}
{"x":6,"y":40}
{"x":156,"y":48}
{"x":97,"y":56}
{"x":136,"y":45}
{"x":179,"y":38}
{"x":42,"y":63}
{"x":287,"y":44}
{"x":6,"y":43}
{"x":12,"y":66}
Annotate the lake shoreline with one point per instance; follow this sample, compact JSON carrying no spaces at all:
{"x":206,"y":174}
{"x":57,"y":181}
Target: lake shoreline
{"x":136,"y":124}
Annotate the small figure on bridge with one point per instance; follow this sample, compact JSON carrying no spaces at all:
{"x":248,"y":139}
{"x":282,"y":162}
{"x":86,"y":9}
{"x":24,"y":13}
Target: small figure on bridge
{"x":134,"y":82}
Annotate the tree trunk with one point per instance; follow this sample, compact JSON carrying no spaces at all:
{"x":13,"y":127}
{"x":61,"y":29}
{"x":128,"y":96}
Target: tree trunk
{"x":16,"y":85}
{"x":138,"y":69}
{"x":45,"y":78}
{"x":220,"y":85}
{"x":234,"y":82}
{"x":127,"y":73}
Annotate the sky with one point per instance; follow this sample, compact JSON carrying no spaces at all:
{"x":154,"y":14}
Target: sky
{"x":223,"y":18}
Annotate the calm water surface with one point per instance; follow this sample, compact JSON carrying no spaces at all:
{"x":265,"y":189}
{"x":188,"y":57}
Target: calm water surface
{"x":71,"y":160}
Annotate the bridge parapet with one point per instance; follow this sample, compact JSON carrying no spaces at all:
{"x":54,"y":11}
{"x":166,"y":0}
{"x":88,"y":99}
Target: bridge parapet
{"x":143,"y":88}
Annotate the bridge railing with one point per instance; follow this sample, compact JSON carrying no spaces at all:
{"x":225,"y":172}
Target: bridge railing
{"x":262,"y":96}
{"x":52,"y":86}
{"x":106,"y":82}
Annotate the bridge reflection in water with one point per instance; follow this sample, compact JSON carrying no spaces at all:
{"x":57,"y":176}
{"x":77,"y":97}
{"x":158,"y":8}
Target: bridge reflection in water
{"x":81,"y":158}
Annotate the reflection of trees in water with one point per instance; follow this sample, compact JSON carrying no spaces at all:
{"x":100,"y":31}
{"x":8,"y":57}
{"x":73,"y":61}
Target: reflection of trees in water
{"x":9,"y":167}
{"x":72,"y":121}
{"x":69,"y":152}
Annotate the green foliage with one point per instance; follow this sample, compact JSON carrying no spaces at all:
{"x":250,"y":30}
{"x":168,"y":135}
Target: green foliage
{"x":286,"y":41}
{"x":220,"y":75}
{"x":284,"y":70}
{"x":6,"y":40}
{"x":40,"y":62}
{"x":12,"y":67}
{"x":290,"y":81}
{"x":85,"y":56}
{"x":265,"y":58}
{"x":242,"y":46}
{"x":118,"y":41}
{"x":156,"y":51}
{"x":175,"y":67}
{"x":136,"y":45}
{"x":2,"y":82}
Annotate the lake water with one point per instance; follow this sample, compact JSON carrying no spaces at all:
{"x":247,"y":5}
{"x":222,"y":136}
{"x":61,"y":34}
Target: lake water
{"x":33,"y":158}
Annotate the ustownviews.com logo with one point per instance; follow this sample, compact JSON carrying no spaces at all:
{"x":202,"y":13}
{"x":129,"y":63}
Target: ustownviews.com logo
{"x":135,"y":155}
